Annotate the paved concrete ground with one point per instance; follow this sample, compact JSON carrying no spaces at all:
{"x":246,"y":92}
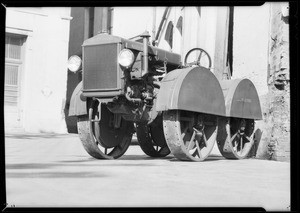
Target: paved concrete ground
{"x":55,"y":171}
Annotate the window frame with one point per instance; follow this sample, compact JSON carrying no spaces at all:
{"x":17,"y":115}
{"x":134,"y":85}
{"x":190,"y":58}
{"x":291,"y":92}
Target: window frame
{"x":169,"y":34}
{"x":14,"y":62}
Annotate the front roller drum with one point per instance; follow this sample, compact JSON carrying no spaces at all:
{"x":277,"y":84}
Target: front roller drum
{"x":151,"y":138}
{"x":104,"y":135}
{"x":190,"y":135}
{"x":235,"y":137}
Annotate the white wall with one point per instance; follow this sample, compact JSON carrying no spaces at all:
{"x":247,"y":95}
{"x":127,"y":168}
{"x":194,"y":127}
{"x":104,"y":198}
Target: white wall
{"x":250,"y":45}
{"x":44,"y":73}
{"x":200,"y":31}
{"x":132,"y":21}
{"x":206,"y":31}
{"x":197,"y":31}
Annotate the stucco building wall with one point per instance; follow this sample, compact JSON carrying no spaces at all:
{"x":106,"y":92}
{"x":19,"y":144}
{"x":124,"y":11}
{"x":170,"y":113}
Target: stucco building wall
{"x":261,"y":53}
{"x":44,"y":69}
{"x":250,"y":45}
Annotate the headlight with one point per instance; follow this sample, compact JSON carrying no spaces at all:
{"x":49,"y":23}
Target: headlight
{"x":74,"y":63}
{"x":126,"y":57}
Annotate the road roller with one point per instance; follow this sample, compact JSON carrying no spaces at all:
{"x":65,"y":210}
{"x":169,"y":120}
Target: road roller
{"x":174,"y":107}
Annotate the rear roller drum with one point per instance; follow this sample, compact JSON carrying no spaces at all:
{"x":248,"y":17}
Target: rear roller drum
{"x":151,"y":138}
{"x":190,"y":135}
{"x":106,"y":138}
{"x":235,"y":137}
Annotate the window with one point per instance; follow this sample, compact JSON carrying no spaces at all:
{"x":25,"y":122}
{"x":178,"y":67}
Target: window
{"x":179,"y":25}
{"x":13,"y":46}
{"x":169,"y":34}
{"x":13,"y":62}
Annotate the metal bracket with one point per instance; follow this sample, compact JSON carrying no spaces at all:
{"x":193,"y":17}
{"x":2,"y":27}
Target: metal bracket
{"x":99,"y":110}
{"x":165,"y":65}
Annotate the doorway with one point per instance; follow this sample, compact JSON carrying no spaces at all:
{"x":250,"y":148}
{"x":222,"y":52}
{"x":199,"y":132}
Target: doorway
{"x":12,"y":87}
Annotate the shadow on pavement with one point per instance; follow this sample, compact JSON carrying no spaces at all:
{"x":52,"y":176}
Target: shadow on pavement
{"x":214,"y":158}
{"x":54,"y":175}
{"x":209,"y":158}
{"x":71,"y":163}
{"x":143,"y":157}
{"x":34,"y":136}
{"x":48,"y":165}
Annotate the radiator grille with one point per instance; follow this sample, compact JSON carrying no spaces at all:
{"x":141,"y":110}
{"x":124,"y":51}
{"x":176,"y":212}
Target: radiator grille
{"x":100,"y":67}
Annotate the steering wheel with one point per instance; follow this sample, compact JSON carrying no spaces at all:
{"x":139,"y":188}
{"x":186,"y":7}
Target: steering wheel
{"x":200,"y":56}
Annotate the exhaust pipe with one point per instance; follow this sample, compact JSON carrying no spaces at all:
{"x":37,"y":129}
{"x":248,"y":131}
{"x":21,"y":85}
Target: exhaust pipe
{"x":145,"y":37}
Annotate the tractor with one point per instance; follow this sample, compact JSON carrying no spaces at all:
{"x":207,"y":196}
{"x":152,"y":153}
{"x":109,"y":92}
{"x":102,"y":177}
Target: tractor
{"x":174,"y":107}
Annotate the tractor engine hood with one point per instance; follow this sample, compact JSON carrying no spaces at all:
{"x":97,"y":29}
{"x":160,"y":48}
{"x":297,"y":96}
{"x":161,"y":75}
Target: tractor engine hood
{"x":159,"y":54}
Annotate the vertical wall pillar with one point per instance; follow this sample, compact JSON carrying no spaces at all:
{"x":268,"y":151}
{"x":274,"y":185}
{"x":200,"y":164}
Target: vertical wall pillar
{"x":220,"y":57}
{"x":278,"y":82}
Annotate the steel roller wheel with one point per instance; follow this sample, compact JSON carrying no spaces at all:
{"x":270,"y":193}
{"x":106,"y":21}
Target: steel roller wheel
{"x":189,"y":135}
{"x":151,"y":138}
{"x":108,"y":138}
{"x":235,"y":137}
